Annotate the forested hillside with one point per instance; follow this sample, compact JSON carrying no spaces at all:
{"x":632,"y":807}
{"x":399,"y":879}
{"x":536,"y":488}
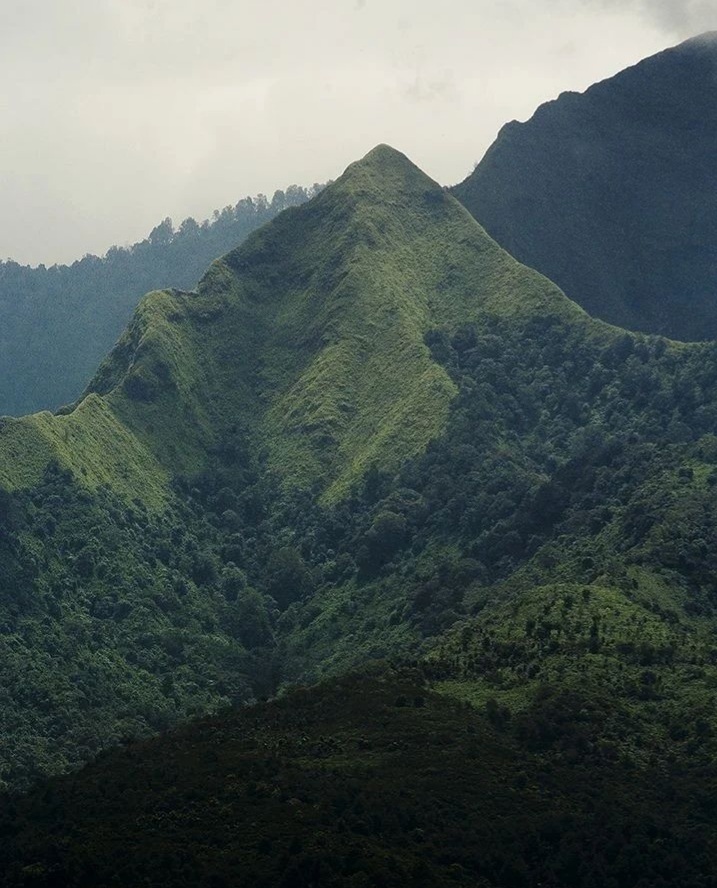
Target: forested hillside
{"x":58,"y":323}
{"x":370,"y":435}
{"x":374,"y":779}
{"x":612,"y":194}
{"x":146,"y":525}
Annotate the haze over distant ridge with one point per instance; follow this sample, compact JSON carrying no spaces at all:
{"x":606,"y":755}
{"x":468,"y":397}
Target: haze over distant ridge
{"x":611,"y":193}
{"x":117,"y":114}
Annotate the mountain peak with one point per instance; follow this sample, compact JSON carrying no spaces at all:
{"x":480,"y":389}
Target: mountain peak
{"x":384,"y":153}
{"x":387,"y":174}
{"x":611,"y":193}
{"x":312,"y":332}
{"x":310,"y":337}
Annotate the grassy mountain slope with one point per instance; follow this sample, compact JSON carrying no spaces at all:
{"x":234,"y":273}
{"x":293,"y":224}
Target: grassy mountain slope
{"x":315,"y":341}
{"x":551,"y":434}
{"x":358,"y":386}
{"x":91,"y":442}
{"x":181,"y":511}
{"x":610,"y":193}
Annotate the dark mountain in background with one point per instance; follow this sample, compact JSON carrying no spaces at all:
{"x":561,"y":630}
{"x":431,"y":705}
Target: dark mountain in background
{"x":613,"y":195}
{"x":57,"y":323}
{"x":369,"y":435}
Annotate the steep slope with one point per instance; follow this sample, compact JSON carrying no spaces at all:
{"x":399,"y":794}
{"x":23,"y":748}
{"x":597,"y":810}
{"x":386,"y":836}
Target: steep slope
{"x":59,"y":322}
{"x":311,"y":335}
{"x":159,"y":537}
{"x":612,"y":193}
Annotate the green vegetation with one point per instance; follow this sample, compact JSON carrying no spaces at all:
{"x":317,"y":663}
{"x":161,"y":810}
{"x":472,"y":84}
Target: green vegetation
{"x":611,"y":194}
{"x":370,"y":780}
{"x":91,"y":442}
{"x":59,"y":322}
{"x":370,"y":435}
{"x":114,"y":622}
{"x":317,"y":345}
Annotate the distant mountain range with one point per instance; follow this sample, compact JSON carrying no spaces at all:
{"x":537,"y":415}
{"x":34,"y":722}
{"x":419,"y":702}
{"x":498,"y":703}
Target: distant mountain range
{"x":612,"y":193}
{"x":58,"y":322}
{"x":449,"y":536}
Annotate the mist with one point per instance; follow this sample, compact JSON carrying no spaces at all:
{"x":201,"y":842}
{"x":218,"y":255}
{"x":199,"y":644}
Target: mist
{"x":117,"y":113}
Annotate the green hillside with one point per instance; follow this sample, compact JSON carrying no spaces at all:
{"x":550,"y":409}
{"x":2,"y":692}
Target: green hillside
{"x":370,"y":435}
{"x":311,"y":335}
{"x":192,"y":487}
{"x":371,"y":780}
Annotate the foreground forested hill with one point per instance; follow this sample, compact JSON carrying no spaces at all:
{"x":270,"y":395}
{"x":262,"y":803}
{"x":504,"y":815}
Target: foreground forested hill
{"x":374,"y":779}
{"x":370,"y":435}
{"x":612,"y":194}
{"x":57,"y":323}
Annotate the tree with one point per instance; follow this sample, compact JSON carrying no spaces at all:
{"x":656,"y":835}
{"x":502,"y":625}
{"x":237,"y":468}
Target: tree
{"x":162,"y":234}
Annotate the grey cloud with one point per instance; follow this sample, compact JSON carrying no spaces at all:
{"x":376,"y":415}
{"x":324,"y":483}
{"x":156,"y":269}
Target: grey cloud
{"x":439,"y":88}
{"x":687,"y":18}
{"x":117,"y":113}
{"x":683,"y":18}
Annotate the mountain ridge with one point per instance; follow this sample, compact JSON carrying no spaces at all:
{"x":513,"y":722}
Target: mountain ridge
{"x":609,"y":193}
{"x":189,"y":363}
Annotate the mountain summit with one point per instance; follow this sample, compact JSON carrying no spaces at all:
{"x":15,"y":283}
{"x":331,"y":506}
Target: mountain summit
{"x":166,"y":511}
{"x":612,"y":194}
{"x":309,"y":336}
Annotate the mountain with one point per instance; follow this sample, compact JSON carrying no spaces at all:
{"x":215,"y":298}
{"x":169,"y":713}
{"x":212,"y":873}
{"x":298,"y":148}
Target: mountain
{"x":611,"y":194}
{"x":314,"y":344}
{"x":373,"y":779}
{"x":157,"y":532}
{"x":370,"y":436}
{"x":59,"y":322}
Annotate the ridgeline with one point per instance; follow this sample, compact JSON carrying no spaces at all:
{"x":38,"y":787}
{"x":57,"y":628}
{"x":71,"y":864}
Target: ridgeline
{"x":611,"y":194}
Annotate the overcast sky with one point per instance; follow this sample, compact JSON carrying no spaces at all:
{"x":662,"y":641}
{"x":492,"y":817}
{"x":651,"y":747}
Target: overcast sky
{"x":116,"y":113}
